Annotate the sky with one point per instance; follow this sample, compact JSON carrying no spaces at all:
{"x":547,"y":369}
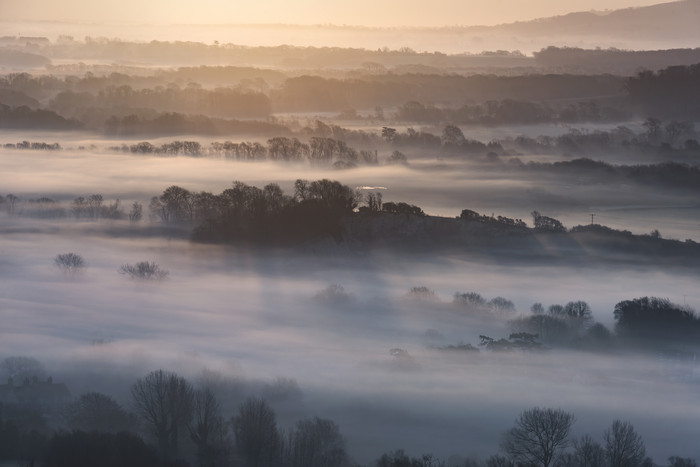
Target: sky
{"x":357,"y":12}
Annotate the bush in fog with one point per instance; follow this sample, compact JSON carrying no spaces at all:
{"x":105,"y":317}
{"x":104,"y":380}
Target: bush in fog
{"x":144,"y":270}
{"x":136,"y":212}
{"x":422,"y":293}
{"x":334,"y":294}
{"x":69,"y":263}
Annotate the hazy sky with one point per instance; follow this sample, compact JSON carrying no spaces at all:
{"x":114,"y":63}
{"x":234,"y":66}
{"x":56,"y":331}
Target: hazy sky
{"x":357,"y":12}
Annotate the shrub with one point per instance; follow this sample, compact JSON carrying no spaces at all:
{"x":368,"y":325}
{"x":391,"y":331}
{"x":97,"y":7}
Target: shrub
{"x":144,"y":270}
{"x":69,"y":263}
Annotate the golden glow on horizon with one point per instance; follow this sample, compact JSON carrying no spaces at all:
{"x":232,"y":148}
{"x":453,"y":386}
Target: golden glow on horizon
{"x":358,"y":12}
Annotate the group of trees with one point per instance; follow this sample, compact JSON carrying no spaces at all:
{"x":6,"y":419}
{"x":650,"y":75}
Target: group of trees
{"x":540,"y":436}
{"x":173,"y":423}
{"x":250,"y":214}
{"x":645,"y":323}
{"x":91,"y":207}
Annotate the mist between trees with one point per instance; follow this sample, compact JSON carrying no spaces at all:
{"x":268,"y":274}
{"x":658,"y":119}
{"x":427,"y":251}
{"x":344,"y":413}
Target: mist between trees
{"x":171,"y":421}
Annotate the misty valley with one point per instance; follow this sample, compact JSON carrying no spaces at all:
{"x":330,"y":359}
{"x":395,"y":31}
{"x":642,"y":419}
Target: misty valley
{"x":215,"y":254}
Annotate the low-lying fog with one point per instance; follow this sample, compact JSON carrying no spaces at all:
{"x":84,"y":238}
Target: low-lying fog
{"x":256,"y":316}
{"x":441,"y":188}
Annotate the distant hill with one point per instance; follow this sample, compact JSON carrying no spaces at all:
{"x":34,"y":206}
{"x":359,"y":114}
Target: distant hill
{"x":672,"y":23}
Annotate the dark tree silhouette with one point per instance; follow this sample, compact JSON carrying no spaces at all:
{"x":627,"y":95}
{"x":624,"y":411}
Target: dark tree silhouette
{"x":538,"y":435}
{"x":548,"y":224}
{"x":316,"y":442}
{"x":624,"y":447}
{"x":208,"y":429}
{"x":258,"y":440}
{"x":164,"y":401}
{"x":655,"y":318}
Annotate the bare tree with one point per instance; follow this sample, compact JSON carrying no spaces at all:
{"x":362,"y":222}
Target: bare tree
{"x":144,"y":270}
{"x":588,"y":453}
{"x":624,"y":447}
{"x":164,"y":401}
{"x":538,"y":435}
{"x":208,"y":429}
{"x":136,"y":212}
{"x":69,"y":263}
{"x":11,"y":201}
{"x":257,"y":438}
{"x":316,"y":442}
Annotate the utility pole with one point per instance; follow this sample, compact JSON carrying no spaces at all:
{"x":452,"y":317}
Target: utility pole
{"x":592,"y":216}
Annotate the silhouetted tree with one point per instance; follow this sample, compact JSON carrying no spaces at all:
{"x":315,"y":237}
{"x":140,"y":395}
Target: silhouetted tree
{"x":208,"y":430}
{"x":538,"y":435}
{"x":545,"y":223}
{"x":164,"y":401}
{"x":316,"y":442}
{"x":587,"y":453}
{"x":136,"y":212}
{"x":624,"y":447}
{"x":258,"y":440}
{"x":655,"y":318}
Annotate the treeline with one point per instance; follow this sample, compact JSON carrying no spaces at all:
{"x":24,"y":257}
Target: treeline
{"x":173,"y":423}
{"x":315,"y":93}
{"x":282,"y":56}
{"x":23,"y":117}
{"x":508,"y":111}
{"x":671,"y":92}
{"x":612,"y":60}
{"x":193,"y":99}
{"x":486,"y":99}
{"x":171,"y":123}
{"x":666,"y":174}
{"x":650,"y":324}
{"x":318,"y":151}
{"x":82,"y":97}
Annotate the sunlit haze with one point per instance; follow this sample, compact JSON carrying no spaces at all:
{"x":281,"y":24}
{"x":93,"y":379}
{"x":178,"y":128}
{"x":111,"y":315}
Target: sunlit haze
{"x":359,"y":12}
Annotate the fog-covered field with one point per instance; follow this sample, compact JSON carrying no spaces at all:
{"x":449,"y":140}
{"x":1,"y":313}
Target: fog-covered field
{"x":533,"y":175}
{"x":255,"y":315}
